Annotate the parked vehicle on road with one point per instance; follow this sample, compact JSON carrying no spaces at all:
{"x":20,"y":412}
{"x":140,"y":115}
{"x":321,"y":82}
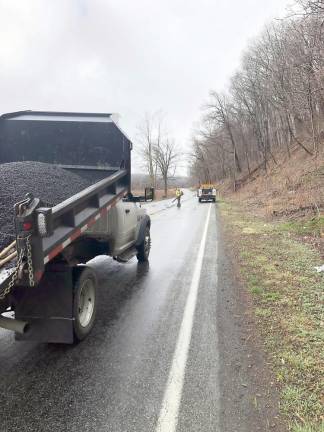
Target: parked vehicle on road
{"x":45,"y":278}
{"x":206,"y":192}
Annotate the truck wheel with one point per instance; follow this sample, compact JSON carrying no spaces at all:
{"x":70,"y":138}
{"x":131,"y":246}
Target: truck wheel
{"x":84,"y":303}
{"x":200,"y":200}
{"x":144,"y":248}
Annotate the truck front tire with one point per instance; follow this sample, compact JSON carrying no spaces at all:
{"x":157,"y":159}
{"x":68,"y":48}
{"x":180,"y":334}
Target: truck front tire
{"x":84,"y":303}
{"x":143,"y":250}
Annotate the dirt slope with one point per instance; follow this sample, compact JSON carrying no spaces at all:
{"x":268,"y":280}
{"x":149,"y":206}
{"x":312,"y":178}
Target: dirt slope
{"x":294,"y":187}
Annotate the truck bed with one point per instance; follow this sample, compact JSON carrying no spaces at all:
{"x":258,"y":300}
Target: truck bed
{"x":72,"y":217}
{"x":90,"y":145}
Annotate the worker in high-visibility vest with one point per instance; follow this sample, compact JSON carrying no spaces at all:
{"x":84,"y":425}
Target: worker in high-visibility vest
{"x":178,"y":194}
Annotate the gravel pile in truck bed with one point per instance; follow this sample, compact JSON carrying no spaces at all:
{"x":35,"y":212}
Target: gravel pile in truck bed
{"x":45,"y":181}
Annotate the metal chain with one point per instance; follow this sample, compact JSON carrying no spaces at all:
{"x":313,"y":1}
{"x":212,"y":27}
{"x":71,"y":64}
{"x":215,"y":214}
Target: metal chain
{"x":30,"y":263}
{"x":15,"y":276}
{"x":13,"y":279}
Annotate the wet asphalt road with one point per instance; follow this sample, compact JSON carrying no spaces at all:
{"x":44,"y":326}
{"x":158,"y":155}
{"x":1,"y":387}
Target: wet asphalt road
{"x":117,"y":379}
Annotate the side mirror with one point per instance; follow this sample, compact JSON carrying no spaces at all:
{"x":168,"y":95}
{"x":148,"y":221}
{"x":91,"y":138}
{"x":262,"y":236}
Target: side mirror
{"x":149,"y":194}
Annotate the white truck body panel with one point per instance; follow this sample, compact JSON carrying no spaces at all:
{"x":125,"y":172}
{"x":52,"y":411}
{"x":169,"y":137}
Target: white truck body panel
{"x":120,"y":225}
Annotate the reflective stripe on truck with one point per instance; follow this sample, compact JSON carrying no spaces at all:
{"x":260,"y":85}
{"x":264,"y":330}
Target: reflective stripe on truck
{"x":76,"y":233}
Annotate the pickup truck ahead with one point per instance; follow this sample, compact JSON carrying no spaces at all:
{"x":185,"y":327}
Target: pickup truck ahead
{"x":206,"y":192}
{"x":44,"y":276}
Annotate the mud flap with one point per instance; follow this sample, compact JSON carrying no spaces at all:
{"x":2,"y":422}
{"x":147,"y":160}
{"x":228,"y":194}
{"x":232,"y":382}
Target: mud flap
{"x":47,"y":307}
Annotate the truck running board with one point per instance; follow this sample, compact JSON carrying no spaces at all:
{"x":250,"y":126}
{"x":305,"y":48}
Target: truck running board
{"x":127,"y":255}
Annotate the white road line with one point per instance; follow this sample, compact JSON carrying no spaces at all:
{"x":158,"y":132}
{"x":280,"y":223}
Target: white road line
{"x":168,"y":417}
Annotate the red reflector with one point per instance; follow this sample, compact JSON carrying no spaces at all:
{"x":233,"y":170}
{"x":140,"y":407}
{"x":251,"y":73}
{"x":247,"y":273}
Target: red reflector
{"x":27,"y":226}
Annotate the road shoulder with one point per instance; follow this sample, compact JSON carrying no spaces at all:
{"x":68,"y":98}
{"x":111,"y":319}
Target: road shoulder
{"x":249,"y":398}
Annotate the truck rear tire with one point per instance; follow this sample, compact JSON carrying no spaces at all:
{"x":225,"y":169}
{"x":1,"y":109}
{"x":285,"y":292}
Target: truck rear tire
{"x":84,"y":303}
{"x":199,"y":199}
{"x":143,"y":250}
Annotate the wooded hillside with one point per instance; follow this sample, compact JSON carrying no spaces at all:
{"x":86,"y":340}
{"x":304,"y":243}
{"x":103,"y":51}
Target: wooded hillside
{"x":274,"y":103}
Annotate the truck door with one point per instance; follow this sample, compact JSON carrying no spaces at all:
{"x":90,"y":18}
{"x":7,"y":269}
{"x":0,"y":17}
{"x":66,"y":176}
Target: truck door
{"x":129,"y":221}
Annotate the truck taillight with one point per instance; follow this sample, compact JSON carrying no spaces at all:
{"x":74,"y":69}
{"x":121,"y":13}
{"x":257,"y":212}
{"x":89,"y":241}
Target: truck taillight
{"x":27,"y":226}
{"x":199,"y":192}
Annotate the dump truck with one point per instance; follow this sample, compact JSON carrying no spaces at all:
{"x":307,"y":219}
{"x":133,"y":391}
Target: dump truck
{"x":206,"y":192}
{"x":48,"y":291}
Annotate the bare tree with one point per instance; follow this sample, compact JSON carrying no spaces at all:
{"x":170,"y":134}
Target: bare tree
{"x":158,"y":151}
{"x":220,"y":111}
{"x":150,"y":134}
{"x":312,"y":7}
{"x":275,"y":102}
{"x":166,"y":157}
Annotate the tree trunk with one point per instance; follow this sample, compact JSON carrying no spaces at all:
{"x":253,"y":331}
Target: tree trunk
{"x":311,"y":112}
{"x":295,"y":138}
{"x":236,"y":159}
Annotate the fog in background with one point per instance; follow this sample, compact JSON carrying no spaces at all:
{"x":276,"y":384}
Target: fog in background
{"x":127,"y":57}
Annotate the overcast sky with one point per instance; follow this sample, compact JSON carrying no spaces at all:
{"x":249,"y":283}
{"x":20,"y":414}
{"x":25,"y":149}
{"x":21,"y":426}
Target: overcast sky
{"x":124,"y":56}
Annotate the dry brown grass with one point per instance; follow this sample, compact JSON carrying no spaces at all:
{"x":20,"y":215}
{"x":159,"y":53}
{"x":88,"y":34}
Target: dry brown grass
{"x":295,"y":186}
{"x":159,"y":194}
{"x":287,"y":294}
{"x":276,"y":226}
